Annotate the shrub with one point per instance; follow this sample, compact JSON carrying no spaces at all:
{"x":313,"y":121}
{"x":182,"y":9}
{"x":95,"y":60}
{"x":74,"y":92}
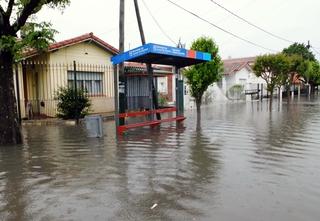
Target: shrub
{"x":72,"y":104}
{"x":207,"y":98}
{"x":163,"y":100}
{"x":236,"y":92}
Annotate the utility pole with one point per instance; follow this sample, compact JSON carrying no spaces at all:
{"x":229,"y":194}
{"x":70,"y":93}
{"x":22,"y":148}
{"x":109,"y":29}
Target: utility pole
{"x":119,"y":69}
{"x":153,"y":94}
{"x":308,"y":45}
{"x":136,"y":6}
{"x":121,"y":27}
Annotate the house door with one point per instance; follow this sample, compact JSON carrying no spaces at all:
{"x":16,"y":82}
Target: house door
{"x":31,"y":90}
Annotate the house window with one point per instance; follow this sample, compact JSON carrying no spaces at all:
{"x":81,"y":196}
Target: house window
{"x":243,"y":81}
{"x":90,"y":81}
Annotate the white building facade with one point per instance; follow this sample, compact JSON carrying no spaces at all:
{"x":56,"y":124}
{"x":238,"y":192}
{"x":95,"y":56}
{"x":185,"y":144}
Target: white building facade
{"x":237,"y":79}
{"x":238,"y":73}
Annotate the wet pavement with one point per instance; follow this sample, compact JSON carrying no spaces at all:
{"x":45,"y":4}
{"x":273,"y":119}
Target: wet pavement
{"x":246,"y":163}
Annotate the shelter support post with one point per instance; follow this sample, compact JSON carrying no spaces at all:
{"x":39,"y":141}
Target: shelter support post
{"x":150,"y":82}
{"x":155,"y":96}
{"x":181,"y":95}
{"x":176,"y":70}
{"x":116,"y":95}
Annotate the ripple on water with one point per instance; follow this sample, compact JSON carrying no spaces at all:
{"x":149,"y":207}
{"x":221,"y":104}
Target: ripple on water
{"x":244,"y":162}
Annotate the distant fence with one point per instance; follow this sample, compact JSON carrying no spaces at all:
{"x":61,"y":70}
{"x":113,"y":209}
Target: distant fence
{"x":39,"y":81}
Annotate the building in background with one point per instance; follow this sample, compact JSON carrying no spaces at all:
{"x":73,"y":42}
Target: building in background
{"x":238,"y":73}
{"x":237,"y":78}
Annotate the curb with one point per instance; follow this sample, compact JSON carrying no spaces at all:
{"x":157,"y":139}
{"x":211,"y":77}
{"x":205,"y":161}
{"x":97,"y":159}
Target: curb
{"x":59,"y":122}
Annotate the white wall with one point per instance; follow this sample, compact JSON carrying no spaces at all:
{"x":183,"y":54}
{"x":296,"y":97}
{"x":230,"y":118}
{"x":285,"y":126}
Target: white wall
{"x":244,"y":77}
{"x":163,"y":85}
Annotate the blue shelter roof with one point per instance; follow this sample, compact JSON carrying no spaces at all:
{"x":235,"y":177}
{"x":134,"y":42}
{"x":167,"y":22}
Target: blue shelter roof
{"x":161,"y":54}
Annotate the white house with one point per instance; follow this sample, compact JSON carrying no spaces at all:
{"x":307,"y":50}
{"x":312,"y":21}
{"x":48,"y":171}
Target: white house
{"x":238,"y":72}
{"x":237,"y":77}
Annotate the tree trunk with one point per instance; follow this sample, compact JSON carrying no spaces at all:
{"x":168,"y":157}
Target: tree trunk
{"x":312,"y":89}
{"x":10,"y":132}
{"x":309,"y":90}
{"x":288,"y":94}
{"x":198,"y":104}
{"x":271,"y":99}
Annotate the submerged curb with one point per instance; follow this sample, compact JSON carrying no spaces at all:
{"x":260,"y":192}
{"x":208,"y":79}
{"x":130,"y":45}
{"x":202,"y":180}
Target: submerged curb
{"x":59,"y":122}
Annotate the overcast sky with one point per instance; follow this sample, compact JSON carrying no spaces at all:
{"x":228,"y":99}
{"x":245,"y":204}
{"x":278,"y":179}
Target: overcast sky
{"x":294,"y":20}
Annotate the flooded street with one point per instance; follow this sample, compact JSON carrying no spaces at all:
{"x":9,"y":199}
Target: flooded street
{"x":246,"y":163}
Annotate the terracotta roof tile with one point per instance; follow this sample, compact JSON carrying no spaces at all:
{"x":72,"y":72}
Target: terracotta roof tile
{"x":233,"y":65}
{"x":73,"y":41}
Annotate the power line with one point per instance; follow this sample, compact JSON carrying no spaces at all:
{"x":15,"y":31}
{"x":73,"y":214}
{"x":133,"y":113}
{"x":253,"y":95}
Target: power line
{"x":250,"y":23}
{"x":216,"y":26}
{"x":313,"y":48}
{"x":157,"y":23}
{"x":318,"y":48}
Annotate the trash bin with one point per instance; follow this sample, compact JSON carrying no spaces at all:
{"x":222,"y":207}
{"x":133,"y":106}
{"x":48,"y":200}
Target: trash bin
{"x":94,"y":125}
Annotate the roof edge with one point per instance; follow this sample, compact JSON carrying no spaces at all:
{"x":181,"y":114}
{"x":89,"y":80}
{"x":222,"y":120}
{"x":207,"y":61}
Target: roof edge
{"x":73,"y":41}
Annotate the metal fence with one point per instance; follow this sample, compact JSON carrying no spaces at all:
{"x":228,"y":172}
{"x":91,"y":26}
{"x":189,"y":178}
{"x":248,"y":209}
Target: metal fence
{"x":38,"y":83}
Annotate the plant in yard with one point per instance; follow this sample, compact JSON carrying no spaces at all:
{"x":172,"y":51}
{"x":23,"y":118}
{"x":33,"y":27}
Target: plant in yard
{"x":72,"y":104}
{"x":236,"y":92}
{"x":163,"y":100}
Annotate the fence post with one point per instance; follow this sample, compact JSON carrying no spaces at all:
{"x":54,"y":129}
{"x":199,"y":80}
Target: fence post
{"x":18,"y":93}
{"x":75,"y":89}
{"x":116,"y":96}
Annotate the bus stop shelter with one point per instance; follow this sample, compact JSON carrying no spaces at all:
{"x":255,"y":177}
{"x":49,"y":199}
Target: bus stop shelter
{"x":154,"y":54}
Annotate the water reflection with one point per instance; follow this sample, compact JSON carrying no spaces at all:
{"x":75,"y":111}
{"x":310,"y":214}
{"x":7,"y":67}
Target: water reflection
{"x":243,"y":162}
{"x":166,"y":172}
{"x":13,"y":191}
{"x":282,"y":135}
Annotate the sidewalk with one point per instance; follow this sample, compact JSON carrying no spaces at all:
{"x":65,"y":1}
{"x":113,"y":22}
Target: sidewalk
{"x":56,"y":121}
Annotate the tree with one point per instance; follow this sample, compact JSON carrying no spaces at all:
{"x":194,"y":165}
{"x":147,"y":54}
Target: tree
{"x":201,"y":76}
{"x":273,"y":68}
{"x":300,"y":49}
{"x":310,"y":71}
{"x":289,"y":76}
{"x":14,"y":15}
{"x":306,"y":66}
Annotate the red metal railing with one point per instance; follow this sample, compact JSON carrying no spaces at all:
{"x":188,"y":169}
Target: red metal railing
{"x":152,"y":123}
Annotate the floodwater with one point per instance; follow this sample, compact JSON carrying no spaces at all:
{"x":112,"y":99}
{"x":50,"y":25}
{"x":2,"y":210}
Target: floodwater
{"x":246,"y":163}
